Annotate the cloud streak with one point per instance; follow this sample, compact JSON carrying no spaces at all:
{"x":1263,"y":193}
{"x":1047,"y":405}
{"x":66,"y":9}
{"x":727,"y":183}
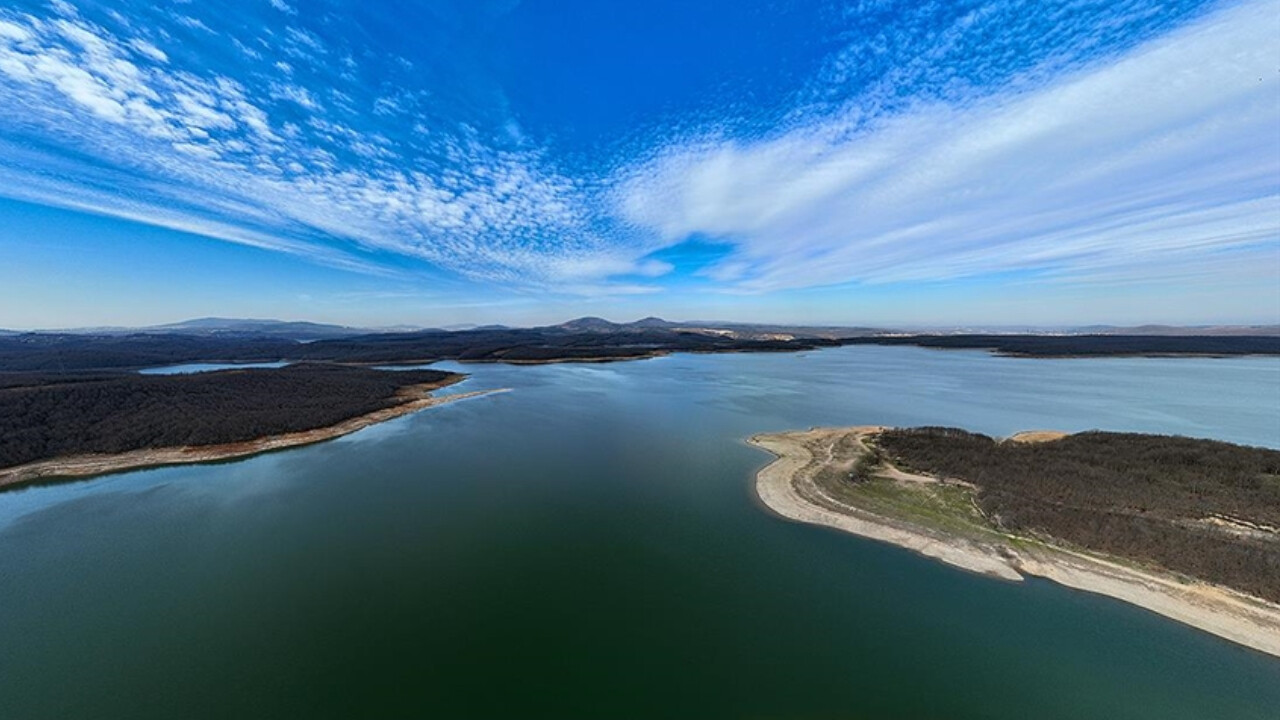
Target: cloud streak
{"x":929,"y":154}
{"x":268,"y":162}
{"x":1150,"y":161}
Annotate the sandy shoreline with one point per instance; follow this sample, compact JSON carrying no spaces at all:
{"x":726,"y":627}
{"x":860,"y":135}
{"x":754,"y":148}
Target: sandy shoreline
{"x":786,"y":487}
{"x":81,"y":466}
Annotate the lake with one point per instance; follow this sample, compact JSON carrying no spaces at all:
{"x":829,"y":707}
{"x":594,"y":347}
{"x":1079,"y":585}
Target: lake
{"x":588,"y":545}
{"x":188,"y":368}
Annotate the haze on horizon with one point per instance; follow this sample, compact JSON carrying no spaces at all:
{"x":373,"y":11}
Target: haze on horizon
{"x":524,"y":162}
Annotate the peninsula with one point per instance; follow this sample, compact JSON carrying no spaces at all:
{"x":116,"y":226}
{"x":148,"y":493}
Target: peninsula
{"x":90,"y":424}
{"x":1182,"y":527}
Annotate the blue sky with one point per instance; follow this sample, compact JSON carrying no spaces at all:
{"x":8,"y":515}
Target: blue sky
{"x":865,"y":162}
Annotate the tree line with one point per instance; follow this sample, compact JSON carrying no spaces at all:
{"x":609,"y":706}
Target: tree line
{"x":51,"y":352}
{"x":123,"y":412}
{"x":1146,"y":497}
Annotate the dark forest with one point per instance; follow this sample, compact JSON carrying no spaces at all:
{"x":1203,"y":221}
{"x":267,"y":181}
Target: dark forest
{"x":48,"y":352}
{"x":111,"y":413}
{"x":1203,"y":508}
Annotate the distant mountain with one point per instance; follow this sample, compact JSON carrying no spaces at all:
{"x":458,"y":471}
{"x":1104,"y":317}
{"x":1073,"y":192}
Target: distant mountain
{"x":462,"y":327}
{"x":292,"y":330}
{"x":303,"y":331}
{"x":597,"y":324}
{"x":731,"y":330}
{"x":652,"y":322}
{"x":297,"y":330}
{"x":589,"y":324}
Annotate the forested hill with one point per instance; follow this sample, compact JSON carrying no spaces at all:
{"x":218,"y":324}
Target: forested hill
{"x":43,"y":417}
{"x":67,"y":352}
{"x":1203,"y":508}
{"x":583,"y":341}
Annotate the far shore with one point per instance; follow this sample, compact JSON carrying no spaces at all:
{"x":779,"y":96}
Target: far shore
{"x":415,"y":398}
{"x":787,"y":487}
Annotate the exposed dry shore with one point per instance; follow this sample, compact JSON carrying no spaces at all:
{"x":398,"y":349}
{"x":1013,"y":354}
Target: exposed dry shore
{"x":788,"y":486}
{"x":414,"y":398}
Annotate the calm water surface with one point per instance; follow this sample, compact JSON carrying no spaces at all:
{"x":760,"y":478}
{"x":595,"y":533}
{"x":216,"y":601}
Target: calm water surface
{"x":588,"y":545}
{"x":188,"y":368}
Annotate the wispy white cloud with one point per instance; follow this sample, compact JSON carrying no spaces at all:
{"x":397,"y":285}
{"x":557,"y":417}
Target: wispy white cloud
{"x":1162,"y":159}
{"x":194,"y":23}
{"x":205,"y":153}
{"x":301,"y":43}
{"x":1148,"y":161}
{"x":296,"y":94}
{"x":149,"y":50}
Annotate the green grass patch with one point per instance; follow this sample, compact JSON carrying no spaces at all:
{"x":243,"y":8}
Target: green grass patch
{"x":945,"y":507}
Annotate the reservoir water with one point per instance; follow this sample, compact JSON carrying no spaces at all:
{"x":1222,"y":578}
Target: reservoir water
{"x":187,"y":368}
{"x":588,"y":545}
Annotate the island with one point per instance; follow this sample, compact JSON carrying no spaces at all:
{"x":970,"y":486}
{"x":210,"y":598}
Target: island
{"x":1187,"y":528}
{"x":70,"y":425}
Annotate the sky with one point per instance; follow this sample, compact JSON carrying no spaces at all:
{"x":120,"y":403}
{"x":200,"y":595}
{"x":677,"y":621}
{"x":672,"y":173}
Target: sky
{"x":865,"y":162}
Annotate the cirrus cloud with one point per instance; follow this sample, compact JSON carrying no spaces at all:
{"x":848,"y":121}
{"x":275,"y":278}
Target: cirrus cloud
{"x":1057,"y":152}
{"x":1153,"y":160}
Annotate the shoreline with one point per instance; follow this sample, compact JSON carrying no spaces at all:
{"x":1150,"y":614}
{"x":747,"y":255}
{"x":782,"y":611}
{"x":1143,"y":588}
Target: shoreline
{"x":666,"y":352}
{"x":787,"y":489}
{"x":80,"y":467}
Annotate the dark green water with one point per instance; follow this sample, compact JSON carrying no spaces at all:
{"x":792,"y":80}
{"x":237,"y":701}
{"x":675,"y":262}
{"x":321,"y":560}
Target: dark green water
{"x":588,"y":546}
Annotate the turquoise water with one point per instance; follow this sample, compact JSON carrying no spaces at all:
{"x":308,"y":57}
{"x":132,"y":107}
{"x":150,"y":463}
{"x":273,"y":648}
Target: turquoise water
{"x":588,"y":546}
